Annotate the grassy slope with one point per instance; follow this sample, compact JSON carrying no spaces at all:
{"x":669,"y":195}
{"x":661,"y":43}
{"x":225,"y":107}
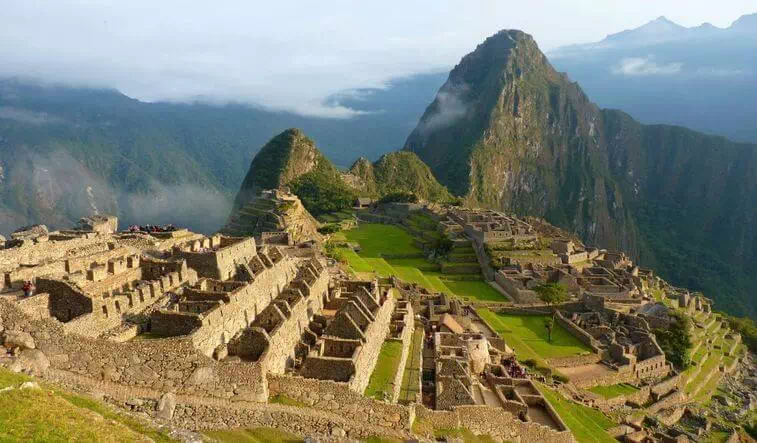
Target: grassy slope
{"x":385,"y":370}
{"x":586,"y":424}
{"x":257,"y":435}
{"x":51,"y":415}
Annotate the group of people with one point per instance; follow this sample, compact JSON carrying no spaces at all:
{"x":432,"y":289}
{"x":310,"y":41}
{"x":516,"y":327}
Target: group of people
{"x":151,"y":228}
{"x":513,"y":369}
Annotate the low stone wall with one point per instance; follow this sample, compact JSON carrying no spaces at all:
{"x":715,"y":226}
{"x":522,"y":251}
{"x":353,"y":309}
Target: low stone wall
{"x":664,"y":387}
{"x":583,"y":336}
{"x":576,"y":360}
{"x":495,"y":422}
{"x":406,"y":340}
{"x":337,"y":397}
{"x":639,"y":397}
{"x":37,"y":306}
{"x":672,"y":399}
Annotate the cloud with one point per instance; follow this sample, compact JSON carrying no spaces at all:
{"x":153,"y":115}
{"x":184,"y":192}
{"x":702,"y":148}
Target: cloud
{"x":644,"y":66}
{"x":448,"y":108}
{"x":64,"y":190}
{"x":27,"y":116}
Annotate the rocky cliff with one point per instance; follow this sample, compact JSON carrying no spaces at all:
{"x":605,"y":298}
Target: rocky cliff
{"x":508,"y":131}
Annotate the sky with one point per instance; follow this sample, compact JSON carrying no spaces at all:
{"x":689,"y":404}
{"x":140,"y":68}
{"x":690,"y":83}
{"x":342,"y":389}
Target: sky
{"x":291,"y":55}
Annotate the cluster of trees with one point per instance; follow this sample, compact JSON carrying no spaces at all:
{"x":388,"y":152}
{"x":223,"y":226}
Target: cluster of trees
{"x":675,"y":340}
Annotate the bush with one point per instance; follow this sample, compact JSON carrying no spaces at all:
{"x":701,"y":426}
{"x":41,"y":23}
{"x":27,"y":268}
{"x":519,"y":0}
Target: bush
{"x":399,"y":197}
{"x":329,"y":228}
{"x":675,"y":340}
{"x":323,"y":193}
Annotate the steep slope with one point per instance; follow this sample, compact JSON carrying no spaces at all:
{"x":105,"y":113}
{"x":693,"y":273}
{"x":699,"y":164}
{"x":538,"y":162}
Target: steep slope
{"x":508,"y":131}
{"x":398,"y":172}
{"x":292,"y":159}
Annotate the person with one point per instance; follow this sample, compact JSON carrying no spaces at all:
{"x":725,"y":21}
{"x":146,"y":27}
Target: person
{"x":28,"y":288}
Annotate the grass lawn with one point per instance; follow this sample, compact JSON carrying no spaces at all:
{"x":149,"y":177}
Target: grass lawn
{"x":51,"y":415}
{"x":377,"y":239}
{"x":411,"y":377}
{"x":255,"y":435}
{"x":613,"y":391}
{"x":586,"y":424}
{"x":528,"y":337}
{"x":377,"y":242}
{"x":386,"y":368}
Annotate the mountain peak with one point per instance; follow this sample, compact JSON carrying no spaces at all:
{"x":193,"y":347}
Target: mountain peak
{"x":285,"y":157}
{"x":746,"y":22}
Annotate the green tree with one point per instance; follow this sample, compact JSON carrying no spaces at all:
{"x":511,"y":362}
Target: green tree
{"x":552,"y":294}
{"x":675,"y":340}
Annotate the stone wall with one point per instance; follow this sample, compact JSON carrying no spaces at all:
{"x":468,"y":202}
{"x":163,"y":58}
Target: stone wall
{"x":583,"y":336}
{"x":406,"y":339}
{"x":495,"y":422}
{"x":167,"y":365}
{"x":287,"y":335}
{"x":375,"y":335}
{"x":222,"y":263}
{"x":221,"y":324}
{"x":337,"y":397}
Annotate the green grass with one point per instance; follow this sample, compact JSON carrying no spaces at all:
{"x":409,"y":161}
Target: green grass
{"x":586,"y":424}
{"x":528,"y":337}
{"x":709,"y":365}
{"x":411,"y":376}
{"x":376,"y":239}
{"x":386,"y":368}
{"x":50,"y":415}
{"x":283,"y":399}
{"x":613,"y":391}
{"x":380,"y":243}
{"x":255,"y":435}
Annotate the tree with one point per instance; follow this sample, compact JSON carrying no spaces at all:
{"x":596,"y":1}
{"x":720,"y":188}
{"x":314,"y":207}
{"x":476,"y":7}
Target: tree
{"x":675,"y":340}
{"x":551,"y":294}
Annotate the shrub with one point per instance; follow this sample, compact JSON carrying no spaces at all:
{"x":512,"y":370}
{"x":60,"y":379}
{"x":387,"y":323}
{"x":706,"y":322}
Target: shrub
{"x":399,"y":197}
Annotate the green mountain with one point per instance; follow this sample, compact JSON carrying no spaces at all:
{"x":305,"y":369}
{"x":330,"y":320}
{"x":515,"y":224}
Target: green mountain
{"x":507,"y":131}
{"x":400,"y":171}
{"x":292,"y":159}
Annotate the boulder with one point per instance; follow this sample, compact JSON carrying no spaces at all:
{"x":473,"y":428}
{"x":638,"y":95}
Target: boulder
{"x":18,"y":339}
{"x":166,"y":406}
{"x":29,"y":385}
{"x":32,"y":361}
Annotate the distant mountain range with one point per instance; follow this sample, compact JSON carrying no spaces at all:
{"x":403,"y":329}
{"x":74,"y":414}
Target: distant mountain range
{"x":67,"y":151}
{"x":703,"y":77}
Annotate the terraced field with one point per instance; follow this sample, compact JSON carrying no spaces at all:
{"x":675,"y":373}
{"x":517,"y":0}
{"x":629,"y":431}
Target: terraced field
{"x":390,"y":250}
{"x":411,"y":377}
{"x":587,"y":424}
